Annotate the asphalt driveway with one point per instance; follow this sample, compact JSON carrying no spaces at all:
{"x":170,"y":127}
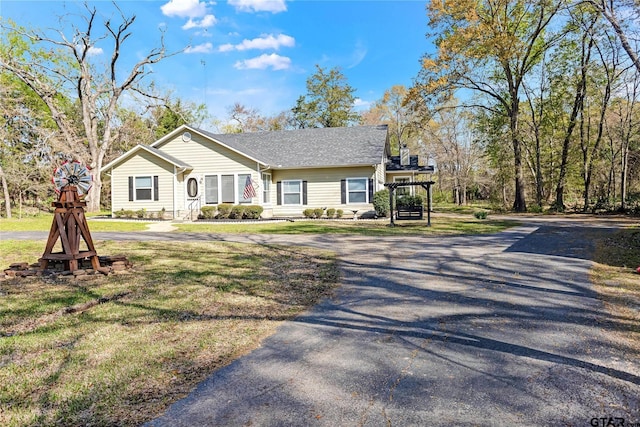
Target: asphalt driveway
{"x":500,"y":329}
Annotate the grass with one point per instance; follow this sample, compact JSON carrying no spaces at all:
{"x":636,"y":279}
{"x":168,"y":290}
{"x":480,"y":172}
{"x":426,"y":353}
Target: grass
{"x":119,"y":349}
{"x":42,"y":222}
{"x":439,"y":226}
{"x":616,"y":259}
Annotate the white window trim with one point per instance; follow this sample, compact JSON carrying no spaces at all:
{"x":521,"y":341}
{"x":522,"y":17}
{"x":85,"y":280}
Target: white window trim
{"x":366,"y":190}
{"x":236,"y":187}
{"x":264,"y":188}
{"x":203,"y":189}
{"x":240,"y":189}
{"x":135,"y":188}
{"x":283,"y":193}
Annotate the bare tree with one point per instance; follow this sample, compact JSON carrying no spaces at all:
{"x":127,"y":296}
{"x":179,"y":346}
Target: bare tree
{"x":450,"y":139}
{"x":58,"y":68}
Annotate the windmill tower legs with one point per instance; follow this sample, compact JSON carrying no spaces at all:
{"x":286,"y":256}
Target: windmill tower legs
{"x":70,"y":226}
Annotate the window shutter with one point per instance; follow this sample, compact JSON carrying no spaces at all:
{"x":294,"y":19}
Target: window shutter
{"x":279,"y":190}
{"x":131,"y":189}
{"x":156,"y":192}
{"x":304,"y":192}
{"x":343,"y":191}
{"x":370,"y":191}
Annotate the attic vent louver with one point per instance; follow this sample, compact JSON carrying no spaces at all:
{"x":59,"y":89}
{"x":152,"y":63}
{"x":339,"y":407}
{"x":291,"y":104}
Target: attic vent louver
{"x":404,"y":156}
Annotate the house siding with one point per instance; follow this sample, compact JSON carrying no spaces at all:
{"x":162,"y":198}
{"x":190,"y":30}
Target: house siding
{"x":142,"y":164}
{"x":323,"y":188}
{"x":380,"y":177}
{"x":207,"y":158}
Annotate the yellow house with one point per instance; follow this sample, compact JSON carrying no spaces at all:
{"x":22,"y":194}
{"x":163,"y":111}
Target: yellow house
{"x":285,"y":172}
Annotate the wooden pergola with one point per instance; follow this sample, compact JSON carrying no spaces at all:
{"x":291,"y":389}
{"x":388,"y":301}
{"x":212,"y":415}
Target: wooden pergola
{"x":392,"y":188}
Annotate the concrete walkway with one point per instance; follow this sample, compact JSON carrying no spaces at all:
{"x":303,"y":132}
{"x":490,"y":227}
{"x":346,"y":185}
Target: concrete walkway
{"x":502,"y":329}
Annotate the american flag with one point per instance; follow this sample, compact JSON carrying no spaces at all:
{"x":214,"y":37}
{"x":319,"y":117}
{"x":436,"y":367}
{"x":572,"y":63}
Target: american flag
{"x":249,"y":192}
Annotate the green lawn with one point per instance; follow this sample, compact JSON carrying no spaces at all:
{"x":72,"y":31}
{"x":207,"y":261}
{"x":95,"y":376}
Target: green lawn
{"x":439,"y":226}
{"x":119,"y":349}
{"x":43,"y":222}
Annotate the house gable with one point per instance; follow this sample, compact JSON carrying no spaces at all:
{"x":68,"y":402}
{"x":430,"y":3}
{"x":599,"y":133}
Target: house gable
{"x":207,"y":155}
{"x":144,"y":165}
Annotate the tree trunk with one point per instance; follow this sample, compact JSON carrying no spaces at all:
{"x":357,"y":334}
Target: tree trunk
{"x":539,"y":178}
{"x":93,"y":198}
{"x":519,"y":202}
{"x":5,"y":191}
{"x":624,"y":158}
{"x":578,"y":105}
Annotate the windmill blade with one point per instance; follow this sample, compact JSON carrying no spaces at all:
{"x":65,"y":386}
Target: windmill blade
{"x":75,"y":168}
{"x":72,"y":173}
{"x":83,"y":187}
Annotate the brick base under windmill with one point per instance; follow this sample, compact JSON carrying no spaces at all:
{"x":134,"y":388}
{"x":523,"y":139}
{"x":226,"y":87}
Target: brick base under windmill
{"x":114,"y":264}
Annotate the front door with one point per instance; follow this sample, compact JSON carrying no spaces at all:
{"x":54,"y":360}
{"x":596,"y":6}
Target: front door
{"x":193,"y":195}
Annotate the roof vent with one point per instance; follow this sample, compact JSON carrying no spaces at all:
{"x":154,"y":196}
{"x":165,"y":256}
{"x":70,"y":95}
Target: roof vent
{"x":186,"y":137}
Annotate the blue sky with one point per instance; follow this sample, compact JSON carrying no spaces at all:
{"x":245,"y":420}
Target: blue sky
{"x":259,"y":52}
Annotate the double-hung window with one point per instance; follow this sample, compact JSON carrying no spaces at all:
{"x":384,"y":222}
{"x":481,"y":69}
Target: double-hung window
{"x":211,"y":189}
{"x":227,"y":190}
{"x":242,"y":182}
{"x":357,"y":190}
{"x":266,"y":188}
{"x":292,"y":192}
{"x":143,"y":188}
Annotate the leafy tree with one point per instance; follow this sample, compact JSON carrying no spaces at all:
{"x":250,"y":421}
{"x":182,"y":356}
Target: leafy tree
{"x":59,"y":67}
{"x":488,"y":47}
{"x":392,"y":110}
{"x":455,"y":149}
{"x":29,"y":144}
{"x":613,"y":11}
{"x":328,"y":102}
{"x":582,"y":65}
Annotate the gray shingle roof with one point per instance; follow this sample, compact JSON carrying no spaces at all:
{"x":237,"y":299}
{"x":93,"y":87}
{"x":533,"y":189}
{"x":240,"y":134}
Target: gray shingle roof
{"x":317,"y":147}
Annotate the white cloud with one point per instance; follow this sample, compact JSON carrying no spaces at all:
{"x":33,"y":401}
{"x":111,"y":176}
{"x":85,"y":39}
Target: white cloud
{"x":262,"y":62}
{"x":201,"y":48}
{"x":184,"y":8}
{"x":206,"y":22}
{"x":226,"y":47}
{"x":358,"y":55}
{"x":360,"y":103}
{"x":95,"y":51}
{"x":273,"y":6}
{"x":262,"y":43}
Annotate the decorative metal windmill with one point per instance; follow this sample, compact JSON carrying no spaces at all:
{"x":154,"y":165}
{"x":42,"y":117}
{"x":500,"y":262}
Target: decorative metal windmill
{"x":72,"y":180}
